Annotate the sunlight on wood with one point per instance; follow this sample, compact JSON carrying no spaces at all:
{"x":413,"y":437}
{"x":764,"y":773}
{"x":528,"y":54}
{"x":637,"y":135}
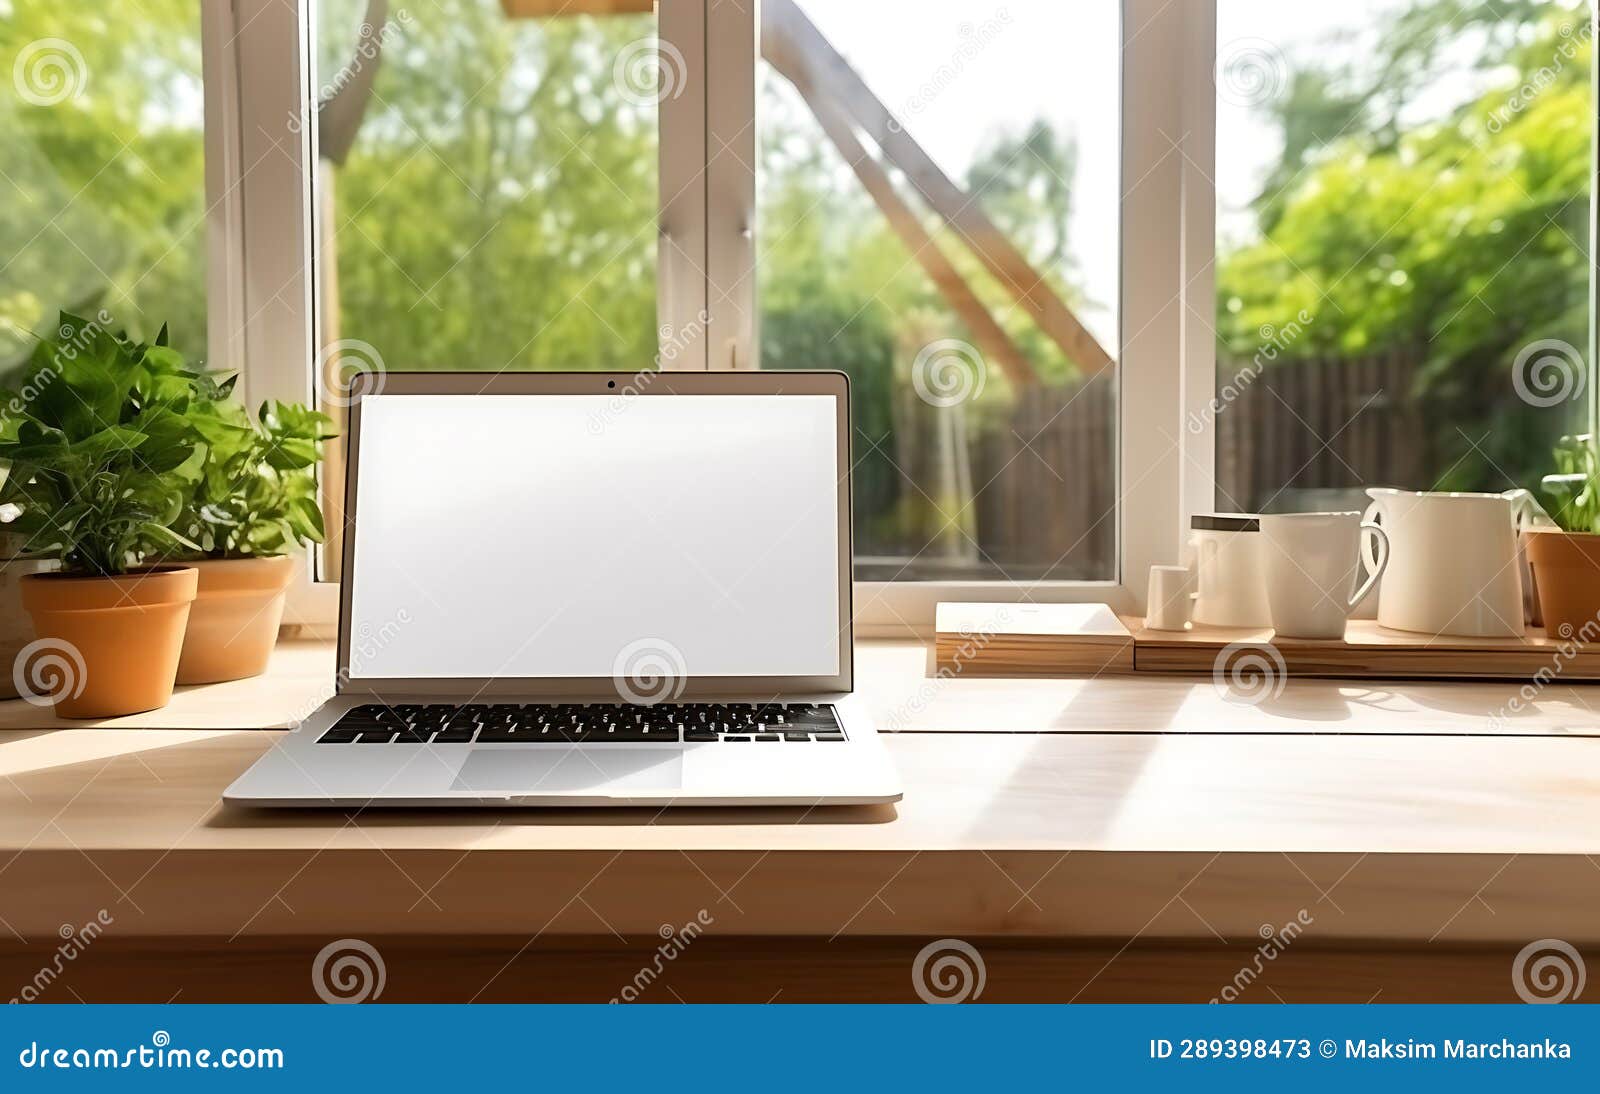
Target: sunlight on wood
{"x":23,"y":754}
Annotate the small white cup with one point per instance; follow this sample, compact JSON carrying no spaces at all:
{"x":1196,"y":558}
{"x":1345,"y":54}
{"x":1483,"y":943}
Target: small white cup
{"x":1171,"y":598}
{"x":1311,"y":562}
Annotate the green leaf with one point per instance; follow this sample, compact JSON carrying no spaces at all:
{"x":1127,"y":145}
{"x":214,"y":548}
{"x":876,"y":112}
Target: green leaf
{"x":291,"y":453}
{"x":163,"y":534}
{"x":305,"y":519}
{"x":108,"y":444}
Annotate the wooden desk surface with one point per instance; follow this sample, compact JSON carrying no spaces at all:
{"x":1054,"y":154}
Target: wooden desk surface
{"x":1110,"y":808}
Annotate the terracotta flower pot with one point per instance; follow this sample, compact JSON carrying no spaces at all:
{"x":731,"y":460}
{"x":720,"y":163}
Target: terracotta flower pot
{"x":106,"y":645}
{"x":234,"y":622}
{"x":1566,"y":572}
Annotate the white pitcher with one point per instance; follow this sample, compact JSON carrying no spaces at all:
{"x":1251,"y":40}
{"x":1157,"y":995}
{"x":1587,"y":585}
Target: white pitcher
{"x":1454,"y":566}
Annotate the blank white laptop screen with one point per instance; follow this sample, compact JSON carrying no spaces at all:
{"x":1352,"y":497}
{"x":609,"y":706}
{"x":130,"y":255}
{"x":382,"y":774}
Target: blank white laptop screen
{"x":560,"y":535}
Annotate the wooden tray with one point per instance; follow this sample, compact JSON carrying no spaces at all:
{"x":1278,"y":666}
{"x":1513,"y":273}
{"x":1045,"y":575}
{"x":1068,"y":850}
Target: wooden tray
{"x":1087,"y":640}
{"x":1030,"y":640}
{"x":1369,"y":650}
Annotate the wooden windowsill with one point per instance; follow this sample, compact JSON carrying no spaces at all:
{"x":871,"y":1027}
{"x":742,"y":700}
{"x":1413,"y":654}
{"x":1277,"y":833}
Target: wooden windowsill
{"x":1045,"y":808}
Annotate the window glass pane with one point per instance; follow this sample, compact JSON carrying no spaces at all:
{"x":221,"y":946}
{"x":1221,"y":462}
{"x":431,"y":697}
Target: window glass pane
{"x":102,"y":175}
{"x":945,"y":229}
{"x":487,"y":190}
{"x":1402,"y":245}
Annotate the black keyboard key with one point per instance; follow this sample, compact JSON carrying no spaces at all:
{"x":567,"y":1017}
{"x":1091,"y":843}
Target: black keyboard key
{"x":500,"y":733}
{"x":583,"y":723}
{"x":626,"y":734}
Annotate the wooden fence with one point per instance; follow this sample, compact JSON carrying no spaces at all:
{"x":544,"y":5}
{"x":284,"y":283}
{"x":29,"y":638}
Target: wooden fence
{"x":1028,"y":489}
{"x":1317,"y":424}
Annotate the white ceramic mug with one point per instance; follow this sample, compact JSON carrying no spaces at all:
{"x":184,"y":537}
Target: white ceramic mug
{"x":1227,"y":562}
{"x":1312,"y":561}
{"x":1456,"y":568}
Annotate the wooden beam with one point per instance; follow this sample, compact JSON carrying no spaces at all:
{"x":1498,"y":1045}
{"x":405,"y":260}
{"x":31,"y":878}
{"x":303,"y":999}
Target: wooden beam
{"x":120,"y":968}
{"x":786,"y":30}
{"x":993,"y":342}
{"x":789,"y":37}
{"x":339,"y":116}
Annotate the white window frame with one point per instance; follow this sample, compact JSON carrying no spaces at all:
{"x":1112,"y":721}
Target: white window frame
{"x":258,"y":55}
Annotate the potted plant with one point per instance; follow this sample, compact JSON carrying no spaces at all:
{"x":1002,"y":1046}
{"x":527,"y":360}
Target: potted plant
{"x":97,"y":448}
{"x":253,"y":503}
{"x":1566,"y":559}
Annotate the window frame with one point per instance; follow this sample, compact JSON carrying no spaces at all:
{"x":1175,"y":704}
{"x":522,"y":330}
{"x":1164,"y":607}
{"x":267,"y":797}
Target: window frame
{"x":260,"y":190}
{"x":1167,"y":361}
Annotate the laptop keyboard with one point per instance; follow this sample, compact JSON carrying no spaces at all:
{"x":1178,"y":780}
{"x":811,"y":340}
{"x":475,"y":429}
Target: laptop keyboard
{"x":584,"y":723}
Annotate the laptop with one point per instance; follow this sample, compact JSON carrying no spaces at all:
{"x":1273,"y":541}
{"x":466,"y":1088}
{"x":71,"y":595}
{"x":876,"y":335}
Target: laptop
{"x":590,"y":589}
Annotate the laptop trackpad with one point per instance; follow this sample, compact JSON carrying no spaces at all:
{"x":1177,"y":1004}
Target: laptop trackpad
{"x":557,"y":771}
